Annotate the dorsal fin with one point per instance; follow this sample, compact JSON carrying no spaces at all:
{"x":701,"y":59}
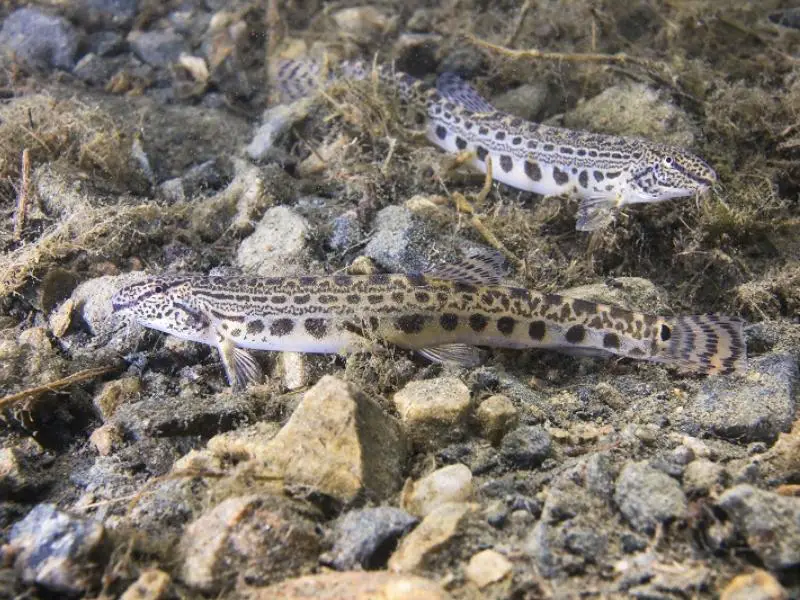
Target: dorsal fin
{"x":455,"y":89}
{"x":480,"y":267}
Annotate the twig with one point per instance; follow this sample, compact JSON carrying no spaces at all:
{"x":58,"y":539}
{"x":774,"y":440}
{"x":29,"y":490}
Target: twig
{"x":273,"y":19}
{"x":58,"y":384}
{"x":23,"y":198}
{"x":619,"y":57}
{"x":523,"y":12}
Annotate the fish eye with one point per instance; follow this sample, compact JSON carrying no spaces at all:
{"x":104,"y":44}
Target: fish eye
{"x":668,"y":160}
{"x":158,"y":289}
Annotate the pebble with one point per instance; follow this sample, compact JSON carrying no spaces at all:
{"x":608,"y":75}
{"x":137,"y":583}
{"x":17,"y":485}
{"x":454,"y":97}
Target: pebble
{"x":759,"y":585}
{"x":703,"y":477}
{"x":363,"y":537}
{"x":57,"y":551}
{"x":346,"y":231}
{"x":526,"y":447}
{"x":104,"y":14}
{"x":452,"y":483}
{"x":340,"y":443}
{"x":496,"y":416}
{"x":647,"y":496}
{"x":160,"y":48}
{"x":115,"y":393}
{"x":433,"y":411}
{"x":362,"y":23}
{"x":20,"y":474}
{"x":400,"y":242}
{"x":152,"y":584}
{"x":40,"y":39}
{"x":487,"y":567}
{"x":600,"y":475}
{"x":275,"y":122}
{"x":768,"y":521}
{"x":278,"y":246}
{"x":247,"y":539}
{"x":107,"y":438}
{"x":755,"y":408}
{"x":354,"y":585}
{"x":430,"y":537}
{"x":526,"y":101}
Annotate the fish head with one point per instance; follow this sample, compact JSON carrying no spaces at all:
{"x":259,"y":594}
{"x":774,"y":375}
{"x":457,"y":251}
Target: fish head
{"x":667,"y":172}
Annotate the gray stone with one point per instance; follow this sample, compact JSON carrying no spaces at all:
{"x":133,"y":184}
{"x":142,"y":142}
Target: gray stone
{"x":40,"y":39}
{"x":600,"y":475}
{"x":526,"y":101}
{"x":105,"y":43}
{"x":365,"y":538}
{"x":754,"y":408}
{"x":401,"y":241}
{"x":702,"y":477}
{"x":647,"y":496}
{"x":278,"y":246}
{"x":103,"y":14}
{"x":526,"y":447}
{"x":346,"y":231}
{"x":768,"y":521}
{"x":58,"y":551}
{"x":157,"y":48}
{"x":97,"y":70}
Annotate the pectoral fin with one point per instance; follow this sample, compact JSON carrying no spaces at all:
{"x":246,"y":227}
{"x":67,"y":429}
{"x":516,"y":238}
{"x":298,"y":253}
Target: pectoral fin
{"x":460,"y":354}
{"x":595,"y":212}
{"x":240,"y":367}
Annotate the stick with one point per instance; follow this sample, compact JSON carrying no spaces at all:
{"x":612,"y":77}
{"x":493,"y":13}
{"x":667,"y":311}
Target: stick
{"x":23,"y":198}
{"x":53,"y":386}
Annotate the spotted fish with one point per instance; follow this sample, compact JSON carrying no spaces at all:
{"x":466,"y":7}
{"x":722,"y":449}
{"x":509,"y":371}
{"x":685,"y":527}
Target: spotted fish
{"x":444,"y":315}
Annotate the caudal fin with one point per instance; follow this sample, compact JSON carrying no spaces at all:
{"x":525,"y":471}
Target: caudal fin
{"x":709,"y":344}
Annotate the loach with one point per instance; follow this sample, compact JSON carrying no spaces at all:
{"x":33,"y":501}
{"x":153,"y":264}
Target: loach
{"x":605,"y":172}
{"x":443,"y":315}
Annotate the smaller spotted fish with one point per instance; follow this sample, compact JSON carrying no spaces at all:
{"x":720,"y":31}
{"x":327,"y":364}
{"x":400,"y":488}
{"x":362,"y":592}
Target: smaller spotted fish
{"x":444,"y":315}
{"x":604,"y":172}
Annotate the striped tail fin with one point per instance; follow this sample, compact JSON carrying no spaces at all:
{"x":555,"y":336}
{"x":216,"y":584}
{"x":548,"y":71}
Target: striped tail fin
{"x":707,"y":344}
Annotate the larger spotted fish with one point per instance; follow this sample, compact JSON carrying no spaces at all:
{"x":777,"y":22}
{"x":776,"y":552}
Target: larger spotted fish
{"x":443,"y":315}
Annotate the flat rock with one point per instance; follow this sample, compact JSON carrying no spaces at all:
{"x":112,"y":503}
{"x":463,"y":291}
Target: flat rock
{"x":496,"y":416}
{"x":430,"y":536}
{"x":253,"y":539}
{"x":339,"y":442}
{"x":768,"y":521}
{"x":40,"y":39}
{"x":754,"y":408}
{"x":363,"y":538}
{"x":452,"y":483}
{"x":357,"y":585}
{"x":113,"y":394}
{"x":105,"y":14}
{"x":487,"y":567}
{"x":526,"y":447}
{"x":158,"y":48}
{"x":57,"y":551}
{"x":434,"y":411}
{"x":278,"y":246}
{"x":401,"y":241}
{"x":647,"y":496}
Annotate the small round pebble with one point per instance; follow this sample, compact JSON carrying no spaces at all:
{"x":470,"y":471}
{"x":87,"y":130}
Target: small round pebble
{"x":487,"y":567}
{"x":452,"y":483}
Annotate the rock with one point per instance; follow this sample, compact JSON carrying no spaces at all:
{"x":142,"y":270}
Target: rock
{"x":401,"y":241}
{"x":106,"y":439}
{"x":496,"y":416}
{"x":20,"y":469}
{"x":57,"y":551}
{"x":768,"y":521}
{"x":647,"y":497}
{"x":105,"y":43}
{"x":526,"y":447}
{"x":278,"y":246}
{"x":152,"y":584}
{"x":160,"y":48}
{"x":39,"y":39}
{"x":452,"y":483}
{"x":525,"y":101}
{"x":247,"y":539}
{"x":115,"y":393}
{"x":29,"y":355}
{"x":755,"y":408}
{"x":429,"y":537}
{"x":364,"y":538}
{"x":702,"y":477}
{"x":104,"y":14}
{"x":275,"y":122}
{"x":347,"y":231}
{"x":600,"y":475}
{"x":98,"y":70}
{"x":433,"y":411}
{"x":377,"y":585}
{"x":362,"y":23}
{"x":340,"y":443}
{"x":633,"y":109}
{"x":486,"y":567}
{"x":758,"y":585}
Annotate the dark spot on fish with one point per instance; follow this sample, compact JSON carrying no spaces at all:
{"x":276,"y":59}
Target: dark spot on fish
{"x":537,"y":330}
{"x":506,"y":163}
{"x":566,"y":150}
{"x":281,"y":327}
{"x":413,"y":323}
{"x":398,"y":297}
{"x":422,"y":297}
{"x":500,"y":136}
{"x":666,"y":333}
{"x":559,"y":176}
{"x":548,"y":147}
{"x":533,"y":171}
{"x":481,"y":153}
{"x":583,"y":179}
{"x":598,"y":176}
{"x":379,"y":279}
{"x":353,"y":298}
{"x":441,"y":132}
{"x":516,"y":140}
{"x":416,"y":280}
{"x":461,"y":143}
{"x":611,"y":340}
{"x":316,"y":328}
{"x":575,"y":334}
{"x":278,"y":299}
{"x":505,"y":325}
{"x":483,"y":130}
{"x":304,"y":299}
{"x":373,"y":323}
{"x":255,"y":326}
{"x":613,"y":174}
{"x":375,"y":298}
{"x":478,"y":322}
{"x":448,"y":321}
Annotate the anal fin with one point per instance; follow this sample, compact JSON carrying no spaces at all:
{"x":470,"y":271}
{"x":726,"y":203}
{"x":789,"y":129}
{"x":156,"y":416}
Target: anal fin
{"x":460,"y":354}
{"x":595,"y":212}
